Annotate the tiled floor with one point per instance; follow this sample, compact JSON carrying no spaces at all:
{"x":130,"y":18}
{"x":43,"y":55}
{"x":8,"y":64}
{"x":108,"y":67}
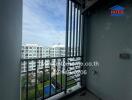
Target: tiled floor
{"x":83,"y":96}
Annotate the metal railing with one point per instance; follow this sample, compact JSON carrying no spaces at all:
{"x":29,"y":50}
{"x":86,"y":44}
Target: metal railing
{"x":49,"y":78}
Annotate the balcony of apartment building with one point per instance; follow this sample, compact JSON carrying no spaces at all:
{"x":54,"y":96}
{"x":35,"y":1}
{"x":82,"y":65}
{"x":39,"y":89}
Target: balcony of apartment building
{"x":93,"y":33}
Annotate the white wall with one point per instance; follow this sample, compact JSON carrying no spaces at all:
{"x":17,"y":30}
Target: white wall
{"x":10,"y":45}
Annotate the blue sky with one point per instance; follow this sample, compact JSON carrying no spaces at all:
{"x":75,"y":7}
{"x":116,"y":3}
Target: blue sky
{"x":44,"y":21}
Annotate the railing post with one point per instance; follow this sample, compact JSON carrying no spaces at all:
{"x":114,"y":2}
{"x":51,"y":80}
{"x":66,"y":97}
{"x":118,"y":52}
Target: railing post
{"x":73,"y":38}
{"x":36,"y":79}
{"x":56,"y":71}
{"x":76,"y":51}
{"x":43,"y":76}
{"x":50,"y":76}
{"x":70,"y":36}
{"x":82,"y":43}
{"x":27,"y":80}
{"x":66,"y":48}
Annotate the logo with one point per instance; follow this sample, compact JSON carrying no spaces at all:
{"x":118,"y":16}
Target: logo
{"x":117,"y":11}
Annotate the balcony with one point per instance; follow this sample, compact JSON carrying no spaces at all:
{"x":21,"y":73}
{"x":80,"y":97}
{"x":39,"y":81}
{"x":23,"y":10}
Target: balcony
{"x":92,"y":34}
{"x":51,"y":78}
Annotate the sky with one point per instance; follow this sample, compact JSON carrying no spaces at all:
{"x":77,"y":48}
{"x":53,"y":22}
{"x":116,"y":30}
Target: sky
{"x":44,"y":22}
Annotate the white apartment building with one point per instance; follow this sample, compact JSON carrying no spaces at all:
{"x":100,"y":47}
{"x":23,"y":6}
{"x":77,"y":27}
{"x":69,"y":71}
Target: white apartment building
{"x":58,"y":50}
{"x":30,"y":51}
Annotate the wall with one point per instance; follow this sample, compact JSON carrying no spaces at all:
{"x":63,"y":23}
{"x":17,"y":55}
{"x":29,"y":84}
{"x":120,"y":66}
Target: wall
{"x":105,"y":37}
{"x":10,"y":45}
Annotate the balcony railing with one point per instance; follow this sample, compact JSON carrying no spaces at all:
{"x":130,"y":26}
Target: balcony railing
{"x":49,"y":78}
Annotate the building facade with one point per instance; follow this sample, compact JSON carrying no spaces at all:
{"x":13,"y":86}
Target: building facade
{"x":30,"y":51}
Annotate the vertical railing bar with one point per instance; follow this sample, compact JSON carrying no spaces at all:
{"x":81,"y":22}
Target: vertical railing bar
{"x":66,"y":51}
{"x":73,"y":31}
{"x":77,"y":31}
{"x":43,"y":76}
{"x":27,"y":81}
{"x":75,"y":65}
{"x":69,"y":65}
{"x":82,"y":47}
{"x":56,"y":63}
{"x":70,"y":28}
{"x":61,"y":72}
{"x":80,"y":33}
{"x":50,"y":76}
{"x":36,"y":75}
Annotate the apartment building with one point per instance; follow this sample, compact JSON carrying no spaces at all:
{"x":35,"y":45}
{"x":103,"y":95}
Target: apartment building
{"x":30,"y":51}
